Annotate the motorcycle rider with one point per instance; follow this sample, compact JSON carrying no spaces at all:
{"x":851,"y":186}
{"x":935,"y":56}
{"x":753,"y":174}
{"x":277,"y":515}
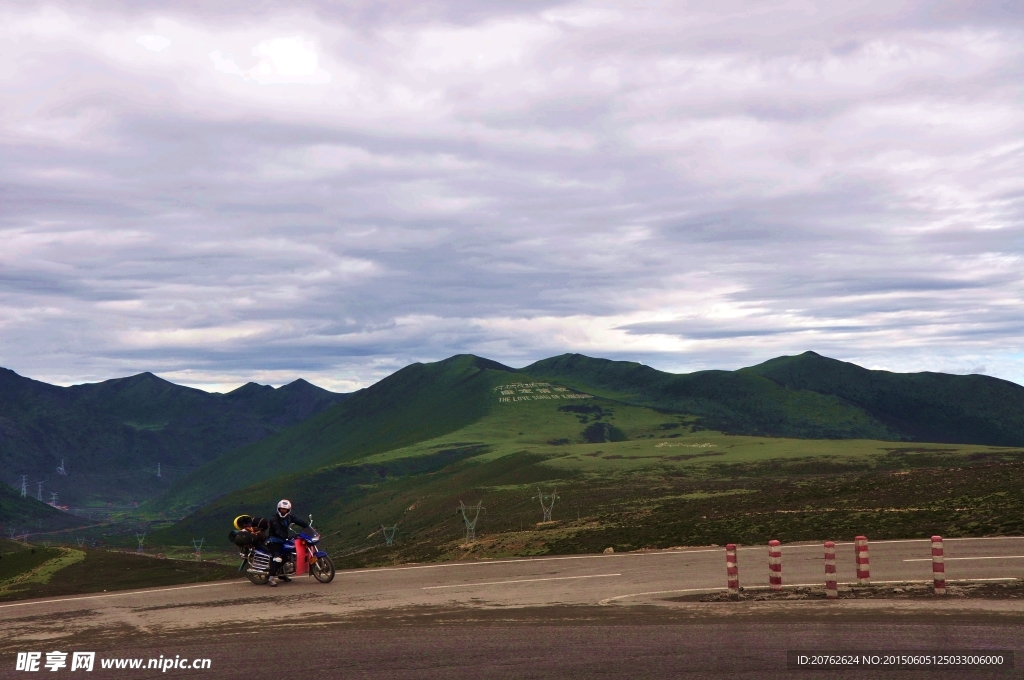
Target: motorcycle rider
{"x":280,"y":523}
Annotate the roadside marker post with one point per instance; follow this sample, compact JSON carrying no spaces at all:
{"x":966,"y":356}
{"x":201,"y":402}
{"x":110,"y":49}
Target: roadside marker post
{"x":863,"y":564}
{"x":831,"y":589}
{"x":732,"y":570}
{"x":938,"y":565}
{"x":775,"y":564}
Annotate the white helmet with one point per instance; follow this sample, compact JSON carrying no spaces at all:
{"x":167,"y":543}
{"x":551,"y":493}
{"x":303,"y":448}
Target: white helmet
{"x":285,"y":505}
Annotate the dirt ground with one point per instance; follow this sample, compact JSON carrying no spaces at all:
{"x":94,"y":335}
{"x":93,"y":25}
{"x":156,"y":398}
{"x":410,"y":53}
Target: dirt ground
{"x":690,"y":641}
{"x":888,"y":591}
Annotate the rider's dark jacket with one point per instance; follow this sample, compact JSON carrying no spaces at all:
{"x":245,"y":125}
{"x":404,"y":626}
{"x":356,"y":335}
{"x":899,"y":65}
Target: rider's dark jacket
{"x":279,"y":525}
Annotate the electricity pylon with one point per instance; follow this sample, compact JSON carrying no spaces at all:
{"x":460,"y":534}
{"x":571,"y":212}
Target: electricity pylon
{"x":140,"y":538}
{"x":470,"y":523}
{"x":24,"y":485}
{"x":158,"y":470}
{"x":547,"y":502}
{"x":198,"y":548}
{"x":389,"y":533}
{"x":39,"y":491}
{"x":53,"y":499}
{"x":61,"y":470}
{"x":80,"y":542}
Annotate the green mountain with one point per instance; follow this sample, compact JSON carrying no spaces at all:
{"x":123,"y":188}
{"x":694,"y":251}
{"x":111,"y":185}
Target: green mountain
{"x":111,"y":436}
{"x":804,"y":397}
{"x":812,"y":397}
{"x":730,"y":401}
{"x":417,"y":403}
{"x":27,"y":515}
{"x":932,"y":407}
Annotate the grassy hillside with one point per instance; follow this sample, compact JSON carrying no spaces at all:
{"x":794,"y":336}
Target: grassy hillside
{"x":810,"y":396}
{"x":651,"y":480}
{"x":31,"y":571}
{"x":459,"y":402}
{"x":29,"y":516}
{"x":932,"y":407}
{"x":112,"y":435}
{"x":419,"y":402}
{"x":508,"y":434}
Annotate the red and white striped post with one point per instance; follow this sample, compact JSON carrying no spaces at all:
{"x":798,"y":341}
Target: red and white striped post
{"x":831,"y":589}
{"x":863,"y":565}
{"x":938,"y":565}
{"x":775,"y":564}
{"x":732,"y":571}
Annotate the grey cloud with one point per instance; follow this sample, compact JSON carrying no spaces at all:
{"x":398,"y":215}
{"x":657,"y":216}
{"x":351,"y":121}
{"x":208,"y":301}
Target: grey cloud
{"x":585,"y":181}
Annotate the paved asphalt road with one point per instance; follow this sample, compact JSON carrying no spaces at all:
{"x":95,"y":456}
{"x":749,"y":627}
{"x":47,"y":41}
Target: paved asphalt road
{"x":571,"y":616}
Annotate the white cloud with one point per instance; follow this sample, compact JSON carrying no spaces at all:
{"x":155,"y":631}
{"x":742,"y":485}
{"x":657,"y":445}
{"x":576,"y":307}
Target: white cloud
{"x":154,"y":43}
{"x":291,"y":60}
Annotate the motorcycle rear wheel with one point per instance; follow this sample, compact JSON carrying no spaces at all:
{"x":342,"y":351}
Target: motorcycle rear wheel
{"x":323,"y":569}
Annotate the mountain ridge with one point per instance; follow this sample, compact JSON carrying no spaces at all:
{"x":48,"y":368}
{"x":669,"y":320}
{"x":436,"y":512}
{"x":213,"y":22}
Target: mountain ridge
{"x":121,"y":429}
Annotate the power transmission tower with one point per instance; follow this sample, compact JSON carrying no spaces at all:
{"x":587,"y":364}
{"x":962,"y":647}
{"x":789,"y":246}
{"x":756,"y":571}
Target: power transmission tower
{"x":61,"y":470}
{"x":39,"y":491}
{"x":198,"y":548}
{"x":547,"y":502}
{"x":53,"y":499}
{"x":389,"y":533}
{"x":24,"y":485}
{"x":140,"y":538}
{"x":11,"y":531}
{"x":80,"y":542}
{"x":158,"y":470}
{"x":470,"y":523}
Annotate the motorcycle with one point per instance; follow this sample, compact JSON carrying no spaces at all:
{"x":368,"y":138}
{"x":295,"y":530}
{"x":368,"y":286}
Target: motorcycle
{"x":300,"y":556}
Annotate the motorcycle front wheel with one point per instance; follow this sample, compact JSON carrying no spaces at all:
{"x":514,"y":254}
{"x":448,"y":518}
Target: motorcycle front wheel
{"x":323,"y":569}
{"x":259,"y":577}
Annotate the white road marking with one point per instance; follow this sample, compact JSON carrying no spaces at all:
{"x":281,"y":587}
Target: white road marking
{"x":122,"y":593}
{"x":949,"y":559}
{"x":528,"y":560}
{"x":521,"y":580}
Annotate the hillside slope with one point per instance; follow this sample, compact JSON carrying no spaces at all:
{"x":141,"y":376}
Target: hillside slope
{"x":112,"y":435}
{"x":933,"y":407}
{"x":807,"y":397}
{"x":730,"y":401}
{"x":417,"y":403}
{"x":20,"y":516}
{"x":810,"y":396}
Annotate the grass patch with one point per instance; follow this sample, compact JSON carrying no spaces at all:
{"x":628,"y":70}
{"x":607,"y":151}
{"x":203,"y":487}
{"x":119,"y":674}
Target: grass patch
{"x":101,"y":571}
{"x":20,"y":562}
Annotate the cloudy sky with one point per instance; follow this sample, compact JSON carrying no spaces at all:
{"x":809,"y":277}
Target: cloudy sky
{"x":336,"y":190}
